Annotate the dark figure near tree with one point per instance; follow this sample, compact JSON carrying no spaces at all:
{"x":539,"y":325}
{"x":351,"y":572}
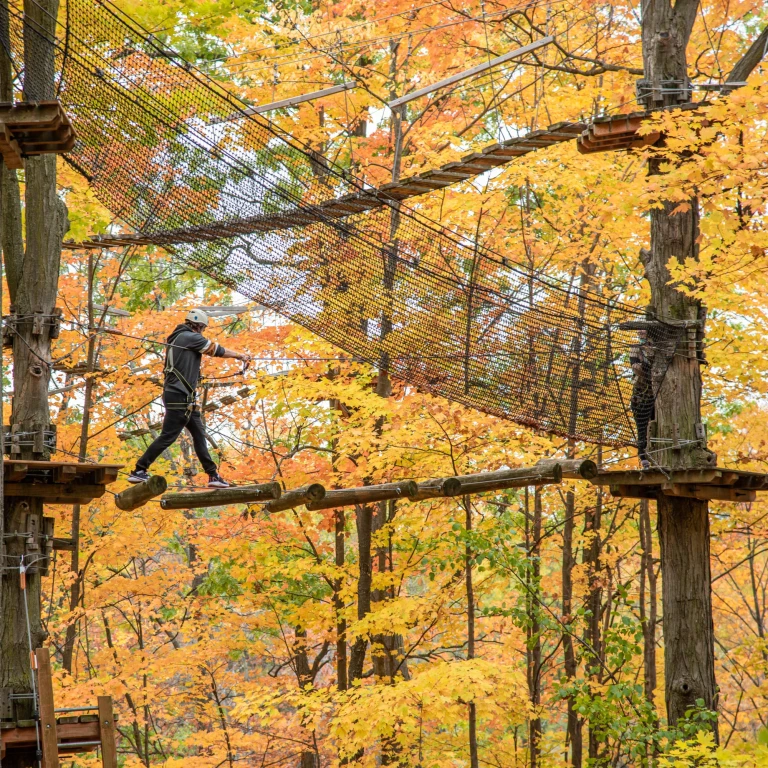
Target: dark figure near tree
{"x":184,"y":353}
{"x":643,"y":402}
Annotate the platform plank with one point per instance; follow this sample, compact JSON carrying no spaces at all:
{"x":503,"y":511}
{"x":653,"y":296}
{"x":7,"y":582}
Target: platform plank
{"x":77,"y":493}
{"x":58,"y":482}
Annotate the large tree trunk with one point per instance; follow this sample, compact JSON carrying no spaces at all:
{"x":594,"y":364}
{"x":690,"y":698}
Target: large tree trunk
{"x":533,"y":624}
{"x":592,"y":560}
{"x":32,"y":282}
{"x":364,"y":522}
{"x":683,"y":523}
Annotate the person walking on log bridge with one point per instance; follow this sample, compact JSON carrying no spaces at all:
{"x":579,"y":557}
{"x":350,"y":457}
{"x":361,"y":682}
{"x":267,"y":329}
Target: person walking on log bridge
{"x":184,"y":351}
{"x":643,"y":403}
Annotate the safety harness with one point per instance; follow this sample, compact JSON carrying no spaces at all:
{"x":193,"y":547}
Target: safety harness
{"x":191,"y":403}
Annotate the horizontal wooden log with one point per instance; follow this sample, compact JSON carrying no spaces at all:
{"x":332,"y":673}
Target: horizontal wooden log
{"x":573,"y":469}
{"x":484,"y":482}
{"x":221,"y":497}
{"x":138,"y":495}
{"x":296,"y":497}
{"x":434,"y":489}
{"x":367,"y":494}
{"x":511,"y":478}
{"x":66,"y":545}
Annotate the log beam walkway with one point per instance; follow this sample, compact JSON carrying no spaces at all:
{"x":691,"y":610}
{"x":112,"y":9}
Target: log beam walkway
{"x":714,"y":484}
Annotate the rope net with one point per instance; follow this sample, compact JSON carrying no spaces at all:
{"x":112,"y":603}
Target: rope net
{"x":230,"y":197}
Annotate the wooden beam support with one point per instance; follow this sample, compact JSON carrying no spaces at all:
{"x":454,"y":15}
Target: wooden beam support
{"x":634,"y":491}
{"x":73,"y":493}
{"x":138,"y":495}
{"x":708,"y":492}
{"x":222,"y":497}
{"x":367,"y":494}
{"x":48,"y":734}
{"x":306,"y":494}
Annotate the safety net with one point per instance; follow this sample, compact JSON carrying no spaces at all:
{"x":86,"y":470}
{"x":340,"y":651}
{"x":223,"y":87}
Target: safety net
{"x":173,"y":155}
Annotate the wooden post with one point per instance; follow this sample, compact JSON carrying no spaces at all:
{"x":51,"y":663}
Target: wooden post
{"x":222,"y":497}
{"x":138,"y":495}
{"x":297,"y":497}
{"x":47,"y":715}
{"x":107,"y":733}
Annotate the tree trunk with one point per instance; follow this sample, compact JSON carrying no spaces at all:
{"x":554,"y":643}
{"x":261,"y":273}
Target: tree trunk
{"x":592,"y":553}
{"x":648,"y":605}
{"x":683,"y":523}
{"x":338,"y":603}
{"x":468,"y":556}
{"x":304,"y":676}
{"x":574,"y":732}
{"x":364,"y":522}
{"x":74,"y":596}
{"x":689,"y":657}
{"x":533,"y":627}
{"x":33,"y":276}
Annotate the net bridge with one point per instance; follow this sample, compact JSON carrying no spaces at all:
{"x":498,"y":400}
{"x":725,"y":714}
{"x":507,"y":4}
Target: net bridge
{"x":251,"y":207}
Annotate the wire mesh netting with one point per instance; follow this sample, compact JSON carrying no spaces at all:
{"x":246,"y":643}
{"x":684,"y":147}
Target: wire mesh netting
{"x":231,"y":198}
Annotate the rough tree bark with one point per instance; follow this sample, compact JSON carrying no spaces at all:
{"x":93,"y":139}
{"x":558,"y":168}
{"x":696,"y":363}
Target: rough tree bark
{"x":74,"y":595}
{"x":33,"y":274}
{"x":474,"y":760}
{"x":533,"y":627}
{"x":683,"y":523}
{"x":648,"y":604}
{"x":592,"y":560}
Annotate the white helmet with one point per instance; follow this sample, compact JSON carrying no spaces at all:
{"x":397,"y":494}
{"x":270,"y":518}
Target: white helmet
{"x":197,"y":316}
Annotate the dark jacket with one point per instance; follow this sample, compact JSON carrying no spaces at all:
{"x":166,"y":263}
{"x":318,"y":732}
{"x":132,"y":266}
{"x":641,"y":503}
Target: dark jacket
{"x":183,"y":357}
{"x":641,"y":360}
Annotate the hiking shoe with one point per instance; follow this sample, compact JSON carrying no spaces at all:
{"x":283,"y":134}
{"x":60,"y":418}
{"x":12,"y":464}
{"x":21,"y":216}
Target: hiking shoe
{"x":138,"y":476}
{"x":217,"y":481}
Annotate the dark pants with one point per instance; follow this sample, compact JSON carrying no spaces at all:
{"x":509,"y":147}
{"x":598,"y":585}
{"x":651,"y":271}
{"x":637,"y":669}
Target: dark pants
{"x":644,"y":411}
{"x":177,"y":418}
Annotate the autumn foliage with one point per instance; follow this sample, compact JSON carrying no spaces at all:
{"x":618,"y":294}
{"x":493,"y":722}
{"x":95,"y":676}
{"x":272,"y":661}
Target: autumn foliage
{"x":428,"y":634}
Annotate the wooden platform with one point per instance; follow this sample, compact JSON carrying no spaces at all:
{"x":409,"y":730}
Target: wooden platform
{"x":56,"y":732}
{"x":606,"y":134}
{"x":28,"y":129}
{"x":620,"y":132}
{"x":716,"y":484}
{"x":70,"y":730}
{"x":58,"y":482}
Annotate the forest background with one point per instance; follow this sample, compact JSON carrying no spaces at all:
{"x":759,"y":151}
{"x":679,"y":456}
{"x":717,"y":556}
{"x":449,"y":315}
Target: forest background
{"x":486,"y":626}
